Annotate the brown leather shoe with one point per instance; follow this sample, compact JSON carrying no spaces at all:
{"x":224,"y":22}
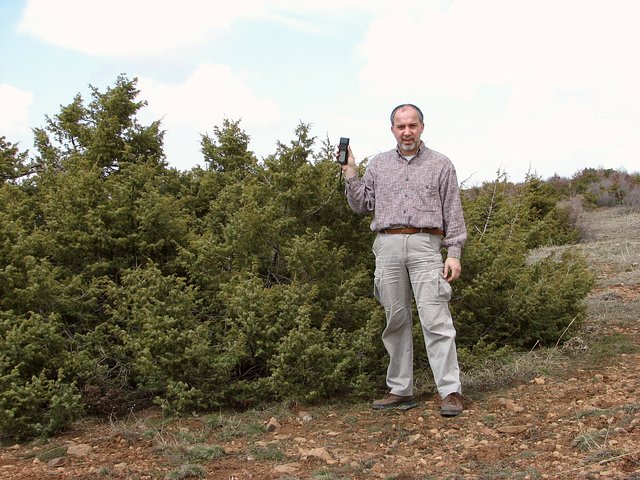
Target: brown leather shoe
{"x":391,"y":400}
{"x":451,"y":405}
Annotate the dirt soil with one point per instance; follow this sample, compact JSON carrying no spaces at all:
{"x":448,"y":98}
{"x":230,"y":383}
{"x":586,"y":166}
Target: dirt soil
{"x":579,"y":418}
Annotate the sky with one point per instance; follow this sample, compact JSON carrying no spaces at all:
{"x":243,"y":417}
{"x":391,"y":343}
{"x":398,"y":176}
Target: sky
{"x":518,"y":86}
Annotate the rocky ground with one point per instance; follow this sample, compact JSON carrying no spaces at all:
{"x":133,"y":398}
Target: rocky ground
{"x":577,"y":416}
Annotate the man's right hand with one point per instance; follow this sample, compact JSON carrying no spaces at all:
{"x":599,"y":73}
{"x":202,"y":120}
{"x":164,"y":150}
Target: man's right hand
{"x":349,"y":169}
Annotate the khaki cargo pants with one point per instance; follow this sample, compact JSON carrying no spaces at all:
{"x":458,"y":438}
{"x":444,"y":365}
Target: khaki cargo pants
{"x":408,"y":266}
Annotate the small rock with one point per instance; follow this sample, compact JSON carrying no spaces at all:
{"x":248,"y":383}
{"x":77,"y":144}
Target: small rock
{"x":273,"y":425}
{"x":80,"y":450}
{"x":54,"y":462}
{"x":512,"y":429}
{"x":319,"y":452}
{"x":287,"y":468}
{"x":305,"y":416}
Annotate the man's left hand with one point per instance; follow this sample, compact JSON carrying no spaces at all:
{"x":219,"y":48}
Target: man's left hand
{"x":452,"y":269}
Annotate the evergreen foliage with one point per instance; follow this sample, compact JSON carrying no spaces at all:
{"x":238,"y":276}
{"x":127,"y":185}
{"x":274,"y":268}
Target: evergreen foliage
{"x":502,"y":298}
{"x":245,"y":281}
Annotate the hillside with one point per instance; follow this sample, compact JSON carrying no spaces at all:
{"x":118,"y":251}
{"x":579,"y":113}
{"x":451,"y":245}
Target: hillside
{"x":566,"y":413}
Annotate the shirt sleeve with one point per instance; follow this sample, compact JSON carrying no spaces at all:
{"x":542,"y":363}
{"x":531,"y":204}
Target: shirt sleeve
{"x":453,"y":218}
{"x":360,"y":193}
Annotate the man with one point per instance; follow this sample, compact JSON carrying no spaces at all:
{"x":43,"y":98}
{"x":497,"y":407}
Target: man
{"x":414,"y":194}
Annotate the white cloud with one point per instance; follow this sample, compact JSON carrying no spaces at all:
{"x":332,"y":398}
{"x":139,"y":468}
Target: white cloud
{"x":567,"y":129}
{"x":14,"y":114}
{"x":561,"y":140}
{"x":627,"y":153}
{"x":130,"y":27}
{"x":210,"y":94}
{"x":472,"y":44}
{"x":126,"y":28}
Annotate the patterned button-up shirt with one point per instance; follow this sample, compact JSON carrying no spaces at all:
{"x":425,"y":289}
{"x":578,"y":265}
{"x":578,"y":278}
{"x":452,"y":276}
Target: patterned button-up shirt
{"x":422,"y":192}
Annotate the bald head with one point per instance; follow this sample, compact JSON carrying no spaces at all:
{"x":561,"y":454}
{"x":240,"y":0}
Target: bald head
{"x":404,"y":106}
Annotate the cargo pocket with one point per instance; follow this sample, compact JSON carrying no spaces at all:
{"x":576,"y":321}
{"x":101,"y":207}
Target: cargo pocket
{"x":376,"y":286}
{"x":377,"y":274}
{"x":437,"y":289}
{"x":444,"y":288}
{"x":433,"y":307}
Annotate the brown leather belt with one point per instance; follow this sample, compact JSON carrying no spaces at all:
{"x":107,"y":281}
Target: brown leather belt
{"x":432,"y":231}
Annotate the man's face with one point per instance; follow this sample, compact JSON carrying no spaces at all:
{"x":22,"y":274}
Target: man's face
{"x":407,"y":128}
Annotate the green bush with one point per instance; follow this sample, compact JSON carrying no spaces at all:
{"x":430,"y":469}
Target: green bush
{"x":36,"y":398}
{"x":37,"y":407}
{"x":243,"y":282}
{"x":502,"y":298}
